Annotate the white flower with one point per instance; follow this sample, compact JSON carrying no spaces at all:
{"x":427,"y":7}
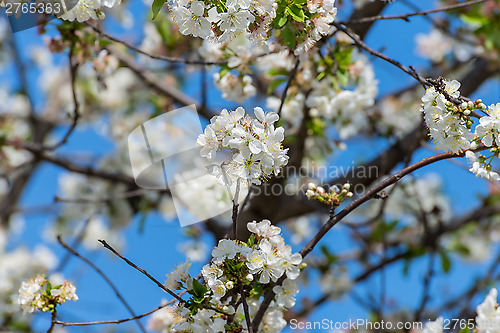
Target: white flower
{"x":290,"y":262}
{"x":179,"y":273}
{"x":448,"y":130}
{"x":163,"y":320}
{"x":266,"y":262}
{"x":263,"y":228}
{"x":285,"y":293}
{"x":35,"y":294}
{"x":488,"y":314}
{"x":211,"y":272}
{"x":209,"y":143}
{"x":434,"y":326}
{"x":489,"y":126}
{"x":433,"y":46}
{"x":228,"y":249}
{"x":65,"y":292}
{"x":29,"y":294}
{"x":191,"y":21}
{"x":235,"y":21}
{"x":257,"y":144}
{"x":83,"y":11}
{"x":479,"y":168}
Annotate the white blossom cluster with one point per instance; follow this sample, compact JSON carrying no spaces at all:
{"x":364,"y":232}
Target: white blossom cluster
{"x":256,"y":142}
{"x":345,"y":107}
{"x":38,"y":293}
{"x":235,"y":87}
{"x":253,"y":265}
{"x":16,"y":265}
{"x":320,"y":26}
{"x":450,"y":126}
{"x":224,"y":20}
{"x":436,"y":45}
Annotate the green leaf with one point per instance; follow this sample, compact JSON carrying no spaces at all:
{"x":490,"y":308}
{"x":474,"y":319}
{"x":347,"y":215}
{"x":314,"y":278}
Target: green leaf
{"x":274,"y":84}
{"x":199,"y":289}
{"x":282,"y":21}
{"x":224,"y":70}
{"x":296,"y":12}
{"x":288,"y":36}
{"x":445,"y":261}
{"x":474,"y":20}
{"x":157,"y":5}
{"x":251,"y":240}
{"x":465,"y":330}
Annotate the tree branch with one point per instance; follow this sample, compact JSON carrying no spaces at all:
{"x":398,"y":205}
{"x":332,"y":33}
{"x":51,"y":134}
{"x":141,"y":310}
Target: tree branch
{"x":108,"y":281}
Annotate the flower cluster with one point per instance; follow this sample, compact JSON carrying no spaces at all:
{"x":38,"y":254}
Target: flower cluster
{"x":488,"y":313}
{"x":253,"y":267}
{"x":449,"y":125}
{"x":333,"y":197}
{"x":224,"y":20}
{"x":257,"y":143}
{"x":38,"y":293}
{"x":481,"y":166}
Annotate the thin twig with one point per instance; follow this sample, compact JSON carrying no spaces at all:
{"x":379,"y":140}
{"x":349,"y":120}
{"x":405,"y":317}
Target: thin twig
{"x":426,"y":287}
{"x":52,"y":321}
{"x":380,"y":55}
{"x":408,"y":15}
{"x":158,"y":283}
{"x":119,"y":196}
{"x":245,"y":308}
{"x":76,"y":243}
{"x":288,"y":83}
{"x":63,"y":323}
{"x":110,"y":283}
{"x":235,"y":207}
{"x":154,"y":56}
{"x":73,"y":69}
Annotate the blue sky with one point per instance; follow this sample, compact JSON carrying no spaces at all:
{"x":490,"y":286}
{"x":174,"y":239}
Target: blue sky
{"x":153,"y":248}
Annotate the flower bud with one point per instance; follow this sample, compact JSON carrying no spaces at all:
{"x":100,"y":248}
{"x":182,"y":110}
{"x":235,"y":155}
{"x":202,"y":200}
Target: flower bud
{"x":467,"y":112}
{"x":311,"y":186}
{"x":470,"y":104}
{"x":348,"y":195}
{"x":347,"y":186}
{"x":473,"y":145}
{"x":321,"y":190}
{"x":310,"y":194}
{"x":249,"y":277}
{"x":229,"y":285}
{"x":481,"y":106}
{"x":463,"y":105}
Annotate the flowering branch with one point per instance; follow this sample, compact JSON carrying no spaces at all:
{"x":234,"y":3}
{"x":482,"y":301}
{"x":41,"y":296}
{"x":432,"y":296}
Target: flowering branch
{"x":355,"y":204}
